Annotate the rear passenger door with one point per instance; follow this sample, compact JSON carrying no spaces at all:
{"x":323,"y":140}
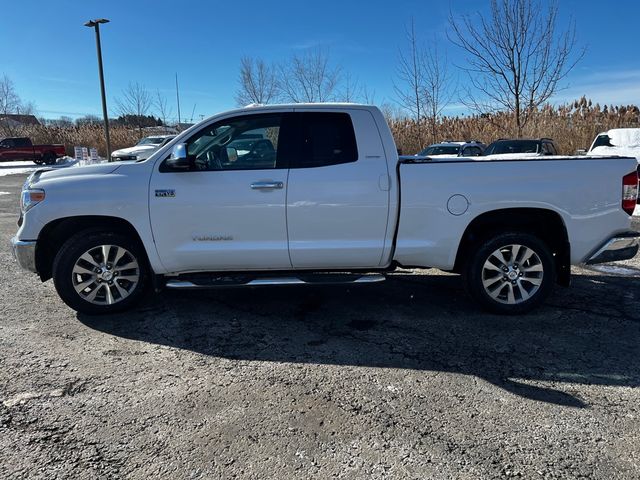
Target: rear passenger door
{"x":338,"y":195}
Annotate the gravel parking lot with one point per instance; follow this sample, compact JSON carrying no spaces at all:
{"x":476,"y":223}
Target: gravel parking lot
{"x":406,"y":379}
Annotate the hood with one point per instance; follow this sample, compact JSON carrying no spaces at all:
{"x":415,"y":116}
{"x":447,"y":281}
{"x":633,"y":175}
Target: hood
{"x":135,"y":150}
{"x":43,"y":174}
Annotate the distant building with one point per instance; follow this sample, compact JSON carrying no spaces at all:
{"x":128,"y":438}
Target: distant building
{"x":17,"y":120}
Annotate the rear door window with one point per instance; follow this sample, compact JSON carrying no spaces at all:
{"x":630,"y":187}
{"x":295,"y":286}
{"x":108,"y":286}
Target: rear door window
{"x":326,"y":138}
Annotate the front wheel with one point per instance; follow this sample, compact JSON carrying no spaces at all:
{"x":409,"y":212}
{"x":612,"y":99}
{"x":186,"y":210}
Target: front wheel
{"x":100,"y":272}
{"x":510,"y":273}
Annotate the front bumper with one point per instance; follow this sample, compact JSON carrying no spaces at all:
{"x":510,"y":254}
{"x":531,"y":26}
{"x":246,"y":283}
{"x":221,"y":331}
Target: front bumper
{"x":622,"y":246}
{"x":25,"y":253}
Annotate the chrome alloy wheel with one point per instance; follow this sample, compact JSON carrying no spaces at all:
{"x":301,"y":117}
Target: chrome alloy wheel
{"x":105,"y":274}
{"x":512,"y":274}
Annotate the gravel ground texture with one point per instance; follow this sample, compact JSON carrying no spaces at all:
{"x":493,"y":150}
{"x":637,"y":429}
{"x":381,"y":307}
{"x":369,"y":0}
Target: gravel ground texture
{"x":405,"y":379}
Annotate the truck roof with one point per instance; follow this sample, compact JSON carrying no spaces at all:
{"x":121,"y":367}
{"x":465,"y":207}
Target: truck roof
{"x":307,"y":106}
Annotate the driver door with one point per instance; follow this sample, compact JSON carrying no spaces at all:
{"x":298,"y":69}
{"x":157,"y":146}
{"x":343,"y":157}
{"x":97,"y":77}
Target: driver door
{"x":7,"y":152}
{"x":228,"y":210}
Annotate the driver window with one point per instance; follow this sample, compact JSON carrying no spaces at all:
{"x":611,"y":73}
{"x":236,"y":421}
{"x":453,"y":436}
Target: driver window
{"x":241,"y":143}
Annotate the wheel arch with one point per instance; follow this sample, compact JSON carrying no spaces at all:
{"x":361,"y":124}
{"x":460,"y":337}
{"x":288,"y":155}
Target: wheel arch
{"x":55,"y":233}
{"x":545,"y":224}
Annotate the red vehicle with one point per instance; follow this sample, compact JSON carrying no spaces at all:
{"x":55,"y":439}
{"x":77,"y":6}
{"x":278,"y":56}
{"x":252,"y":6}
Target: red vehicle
{"x":21,"y":148}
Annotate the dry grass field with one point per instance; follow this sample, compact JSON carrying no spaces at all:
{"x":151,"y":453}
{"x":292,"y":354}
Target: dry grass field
{"x":572,"y":126}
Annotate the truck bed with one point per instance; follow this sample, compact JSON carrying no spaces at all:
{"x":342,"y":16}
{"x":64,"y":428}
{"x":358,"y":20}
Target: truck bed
{"x":440,"y":197}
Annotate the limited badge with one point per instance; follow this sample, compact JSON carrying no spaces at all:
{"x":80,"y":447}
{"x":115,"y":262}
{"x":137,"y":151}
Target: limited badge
{"x":165,"y":193}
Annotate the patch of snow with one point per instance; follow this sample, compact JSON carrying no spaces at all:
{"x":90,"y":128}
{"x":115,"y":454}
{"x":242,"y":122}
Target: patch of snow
{"x":615,"y":270}
{"x":21,"y":167}
{"x":12,"y":168}
{"x":636,"y":212}
{"x":5,"y":193}
{"x":505,"y":156}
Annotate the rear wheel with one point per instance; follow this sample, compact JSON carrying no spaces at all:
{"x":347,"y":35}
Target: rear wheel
{"x":511,"y":273}
{"x":49,"y":158}
{"x":100,"y":272}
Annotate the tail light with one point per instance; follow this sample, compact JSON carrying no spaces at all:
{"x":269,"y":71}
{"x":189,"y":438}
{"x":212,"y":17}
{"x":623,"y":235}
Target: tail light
{"x":629,"y":192}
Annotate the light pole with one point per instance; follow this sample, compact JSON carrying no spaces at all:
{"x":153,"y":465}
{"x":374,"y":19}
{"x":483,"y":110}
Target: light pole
{"x":96,"y":24}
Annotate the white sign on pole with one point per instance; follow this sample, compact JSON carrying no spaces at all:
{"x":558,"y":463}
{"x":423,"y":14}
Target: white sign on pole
{"x":77,"y":153}
{"x":85,"y":153}
{"x":93,"y":153}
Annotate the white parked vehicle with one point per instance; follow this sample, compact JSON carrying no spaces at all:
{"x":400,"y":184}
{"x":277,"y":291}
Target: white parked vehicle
{"x":304,"y":194}
{"x":618,"y":141}
{"x":143,"y":149}
{"x":623,"y":142}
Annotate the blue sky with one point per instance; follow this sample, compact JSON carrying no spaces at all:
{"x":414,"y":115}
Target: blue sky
{"x":50,"y":55}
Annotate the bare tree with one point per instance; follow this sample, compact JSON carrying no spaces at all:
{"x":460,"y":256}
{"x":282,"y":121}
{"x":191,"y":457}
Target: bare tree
{"x":134,"y":104}
{"x":368,"y":96}
{"x":516,"y":56}
{"x":257,"y":82}
{"x":438,"y":86}
{"x":410,"y":86}
{"x":351,"y":90}
{"x":10,"y":103}
{"x":164,"y":111}
{"x":63,"y":122}
{"x":26,"y":108}
{"x":309,"y":77}
{"x":9,"y":99}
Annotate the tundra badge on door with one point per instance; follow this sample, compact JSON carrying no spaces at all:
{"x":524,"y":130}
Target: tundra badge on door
{"x":166,"y":193}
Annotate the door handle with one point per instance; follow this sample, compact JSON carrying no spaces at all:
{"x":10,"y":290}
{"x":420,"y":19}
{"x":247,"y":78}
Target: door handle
{"x":266,"y":185}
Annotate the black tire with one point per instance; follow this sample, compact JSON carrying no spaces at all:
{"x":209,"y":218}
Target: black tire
{"x":527,"y":290}
{"x":66,"y":280}
{"x":38,"y":161}
{"x":49,"y":158}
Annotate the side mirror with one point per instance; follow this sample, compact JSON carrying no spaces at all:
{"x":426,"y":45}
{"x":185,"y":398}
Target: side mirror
{"x":179,"y":159}
{"x":232,"y":154}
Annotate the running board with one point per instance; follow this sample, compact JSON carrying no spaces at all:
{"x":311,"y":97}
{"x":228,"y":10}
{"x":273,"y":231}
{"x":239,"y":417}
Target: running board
{"x":211,"y":281}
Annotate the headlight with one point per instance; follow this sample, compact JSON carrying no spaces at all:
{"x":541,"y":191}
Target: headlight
{"x":30,"y":198}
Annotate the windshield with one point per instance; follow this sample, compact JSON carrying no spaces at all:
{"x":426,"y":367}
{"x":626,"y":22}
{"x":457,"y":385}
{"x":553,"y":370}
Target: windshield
{"x":440,"y":150}
{"x":167,"y":140}
{"x":512,"y":146}
{"x":601,"y":141}
{"x":151,"y":141}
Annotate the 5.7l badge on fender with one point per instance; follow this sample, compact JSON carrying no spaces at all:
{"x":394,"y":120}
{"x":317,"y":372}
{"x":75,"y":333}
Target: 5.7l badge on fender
{"x":166,"y":193}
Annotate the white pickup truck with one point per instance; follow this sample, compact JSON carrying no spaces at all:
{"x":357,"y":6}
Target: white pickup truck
{"x":307,"y":194}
